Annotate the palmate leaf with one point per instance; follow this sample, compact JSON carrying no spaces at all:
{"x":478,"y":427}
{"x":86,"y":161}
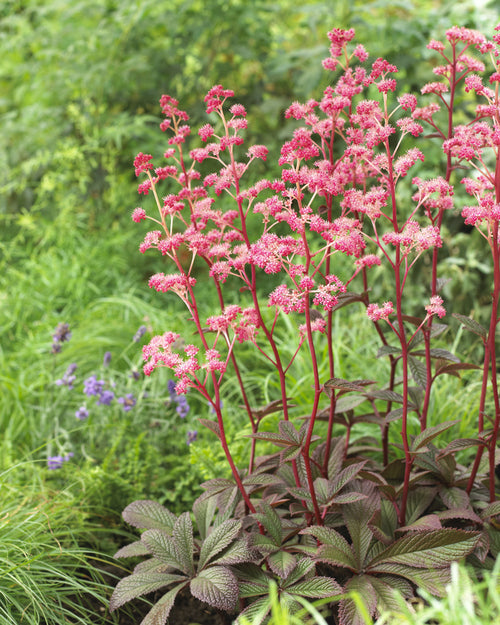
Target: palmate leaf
{"x":236,"y":553}
{"x":281,"y":563}
{"x":418,"y":371}
{"x":162,"y":547}
{"x":182,"y":535}
{"x":256,"y":612}
{"x":471,"y":325}
{"x":334,"y":549}
{"x":431,"y":433}
{"x":270,"y":520}
{"x":158,"y":614}
{"x":349,"y":611}
{"x":217,"y":586}
{"x":146,"y":514}
{"x":204,"y":510}
{"x":137,"y":548}
{"x":432,"y":580}
{"x":433,"y":549}
{"x":134,"y":586}
{"x":317,"y":588}
{"x":218,"y":540}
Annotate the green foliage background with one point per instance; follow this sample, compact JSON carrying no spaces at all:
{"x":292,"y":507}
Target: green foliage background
{"x":79,"y":88}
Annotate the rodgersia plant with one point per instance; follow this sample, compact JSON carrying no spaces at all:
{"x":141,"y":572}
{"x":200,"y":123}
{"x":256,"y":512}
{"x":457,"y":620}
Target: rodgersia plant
{"x":320,"y":516}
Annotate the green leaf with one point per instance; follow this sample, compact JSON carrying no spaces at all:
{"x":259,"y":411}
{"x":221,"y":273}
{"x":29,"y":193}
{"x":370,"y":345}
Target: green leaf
{"x":432,"y":580}
{"x":136,"y":548}
{"x":344,"y":385}
{"x":350,"y":497}
{"x":418,"y":371}
{"x":256,"y":612}
{"x":348,"y":402}
{"x":431,"y":433}
{"x":437,"y":352}
{"x":163,"y":547}
{"x":147,"y":514}
{"x":182,"y":535}
{"x":213,"y":426}
{"x":159,"y":612}
{"x":271,"y":522}
{"x":346,"y":475}
{"x":472,"y":325}
{"x":388,"y":350}
{"x":334,"y":549}
{"x":134,"y":586}
{"x":204,"y":510}
{"x":491,"y":510}
{"x":281,"y":563}
{"x":453,"y":369}
{"x":350,"y":610}
{"x":236,"y":553}
{"x":316,"y":588}
{"x":217,"y":586}
{"x":218,"y":540}
{"x":454,"y":497}
{"x":433,"y":549}
{"x":357,"y":516}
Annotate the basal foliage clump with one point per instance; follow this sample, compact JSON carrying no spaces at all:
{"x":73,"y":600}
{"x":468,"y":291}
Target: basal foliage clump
{"x":317,"y":513}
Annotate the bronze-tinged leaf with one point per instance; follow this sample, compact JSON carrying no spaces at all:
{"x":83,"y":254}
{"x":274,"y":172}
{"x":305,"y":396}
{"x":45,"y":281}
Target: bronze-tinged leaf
{"x":217,"y":586}
{"x":428,"y":550}
{"x":218,"y":540}
{"x":316,"y":588}
{"x":423,"y":524}
{"x":418,"y":371}
{"x":134,"y":586}
{"x":158,"y":614}
{"x":471,"y":325}
{"x":350,"y":610}
{"x":146,"y":514}
{"x":162,"y":547}
{"x":430,"y":433}
{"x":137,"y":548}
{"x":454,"y":368}
{"x":281,"y":563}
{"x":211,"y":425}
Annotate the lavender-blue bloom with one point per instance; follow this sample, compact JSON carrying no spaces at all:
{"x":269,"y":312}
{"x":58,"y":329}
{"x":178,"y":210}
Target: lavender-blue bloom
{"x":82,"y":413}
{"x":182,"y":406}
{"x":62,"y":333}
{"x":171,"y":390}
{"x":56,"y":462}
{"x":128,"y":402}
{"x":105,"y":398}
{"x":107,"y":359}
{"x":192,"y":435}
{"x":93,"y":386}
{"x":68,"y":378}
{"x":139,"y":334}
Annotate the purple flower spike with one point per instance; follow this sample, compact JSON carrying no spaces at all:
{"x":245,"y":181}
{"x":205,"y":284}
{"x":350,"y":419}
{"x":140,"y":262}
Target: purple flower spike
{"x":107,"y":359}
{"x":128,"y":402}
{"x":192,"y":435}
{"x":93,"y":386}
{"x":105,"y":398}
{"x":82,"y":413}
{"x":68,"y":378}
{"x":139,"y":334}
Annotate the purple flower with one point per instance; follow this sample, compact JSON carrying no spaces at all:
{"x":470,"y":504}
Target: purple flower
{"x":93,"y":386}
{"x":139,"y":334}
{"x":128,"y":402}
{"x":68,"y":378}
{"x":135,"y":375}
{"x":182,"y":406}
{"x":82,"y":413}
{"x":107,"y":359}
{"x":61,"y":333}
{"x":56,"y":462}
{"x":171,"y":390}
{"x":192,"y":435}
{"x":105,"y":398}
